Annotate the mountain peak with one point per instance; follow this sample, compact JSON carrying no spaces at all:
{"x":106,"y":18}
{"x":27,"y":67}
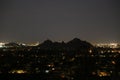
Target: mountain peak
{"x":75,"y":44}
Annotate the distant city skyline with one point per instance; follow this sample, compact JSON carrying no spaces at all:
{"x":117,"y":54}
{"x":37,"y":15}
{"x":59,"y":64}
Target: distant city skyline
{"x":95,"y":21}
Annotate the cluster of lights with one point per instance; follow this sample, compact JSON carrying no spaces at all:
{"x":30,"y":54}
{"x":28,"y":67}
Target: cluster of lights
{"x":110,"y":45}
{"x":101,"y":74}
{"x":18,"y":71}
{"x":33,"y":44}
{"x":2,"y":44}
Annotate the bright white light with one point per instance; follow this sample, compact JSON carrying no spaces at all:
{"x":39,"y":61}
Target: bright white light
{"x":46,"y":71}
{"x":53,"y":69}
{"x":2,"y":44}
{"x":23,"y":44}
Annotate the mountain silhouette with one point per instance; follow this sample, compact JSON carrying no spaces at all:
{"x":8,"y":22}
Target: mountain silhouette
{"x":75,"y":44}
{"x":78,"y":44}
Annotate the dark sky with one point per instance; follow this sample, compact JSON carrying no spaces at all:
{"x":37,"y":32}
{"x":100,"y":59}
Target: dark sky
{"x":37,"y":20}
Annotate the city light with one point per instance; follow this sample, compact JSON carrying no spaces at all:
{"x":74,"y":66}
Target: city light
{"x":18,"y":71}
{"x":107,"y":45}
{"x":46,"y":71}
{"x":103,"y":73}
{"x":59,"y":61}
{"x":2,"y":44}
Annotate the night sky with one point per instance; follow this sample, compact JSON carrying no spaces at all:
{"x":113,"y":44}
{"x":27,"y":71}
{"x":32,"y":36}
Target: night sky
{"x":38,"y":20}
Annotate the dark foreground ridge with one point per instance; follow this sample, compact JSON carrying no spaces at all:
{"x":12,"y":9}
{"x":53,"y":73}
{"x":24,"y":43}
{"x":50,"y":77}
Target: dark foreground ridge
{"x":74,"y":60}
